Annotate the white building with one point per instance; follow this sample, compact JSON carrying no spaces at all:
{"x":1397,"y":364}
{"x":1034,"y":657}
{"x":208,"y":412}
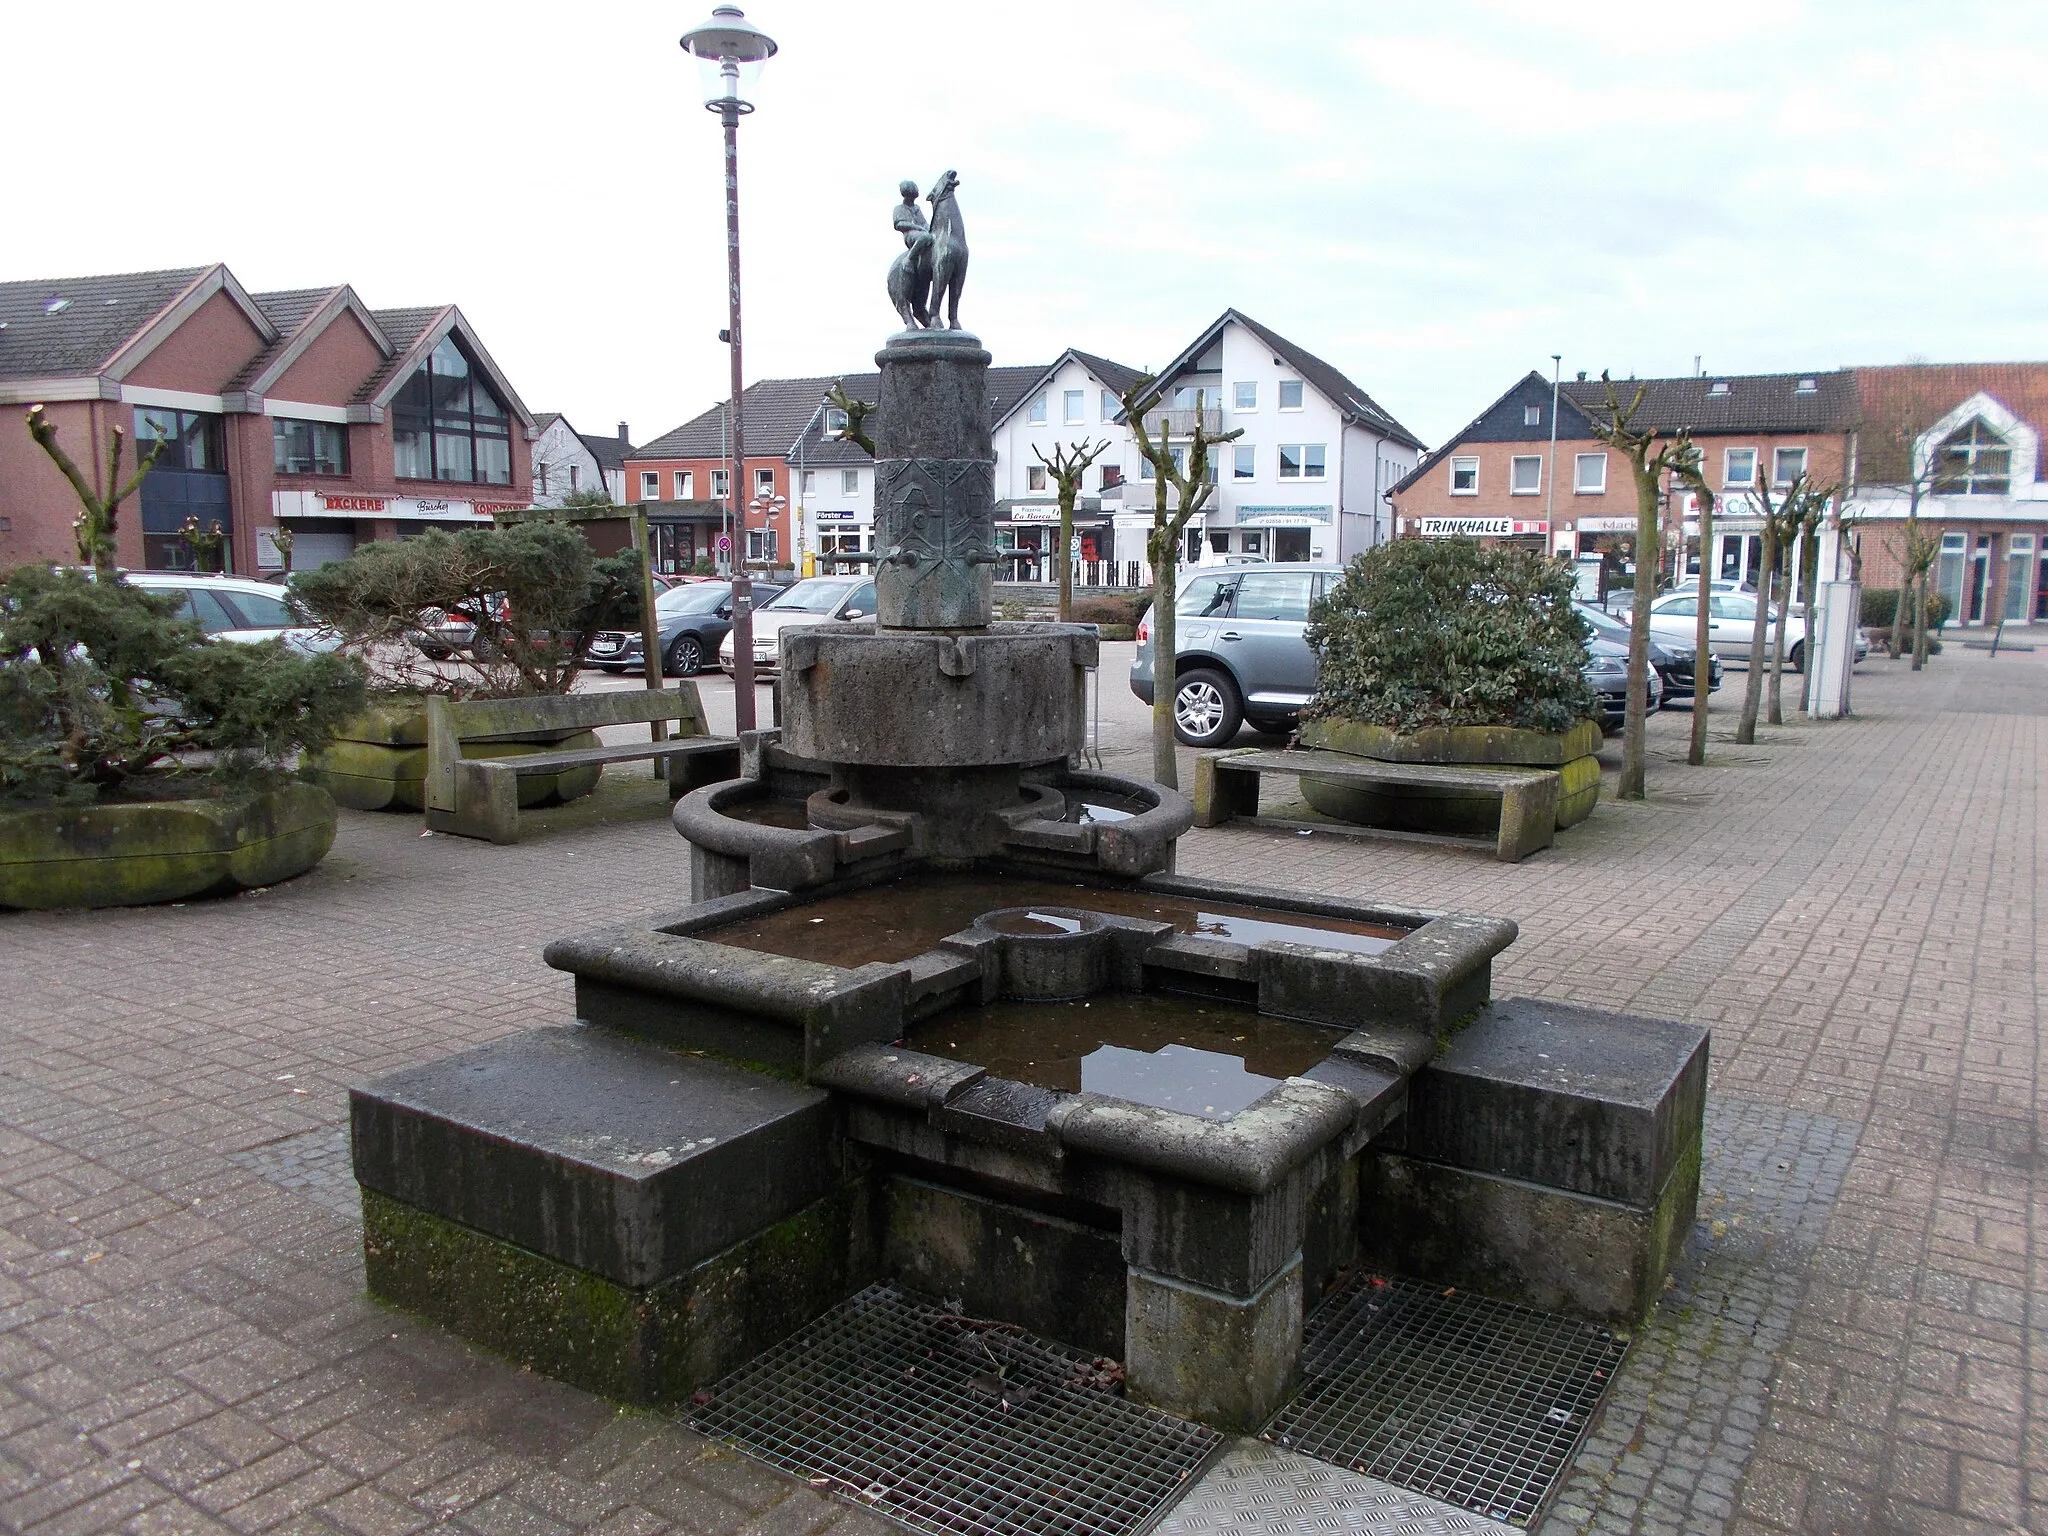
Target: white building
{"x":1310,"y":477}
{"x":565,"y":462}
{"x":1074,"y":403}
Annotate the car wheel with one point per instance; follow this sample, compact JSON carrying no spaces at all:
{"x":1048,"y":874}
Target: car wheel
{"x":1797,"y":660}
{"x":1206,"y":710}
{"x":685,"y":657}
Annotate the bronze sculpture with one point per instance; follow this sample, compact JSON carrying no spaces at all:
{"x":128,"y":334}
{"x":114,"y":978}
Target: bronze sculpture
{"x":933,"y":267}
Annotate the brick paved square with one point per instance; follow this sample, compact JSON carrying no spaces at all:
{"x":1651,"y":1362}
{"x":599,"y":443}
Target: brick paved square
{"x":1855,"y":908}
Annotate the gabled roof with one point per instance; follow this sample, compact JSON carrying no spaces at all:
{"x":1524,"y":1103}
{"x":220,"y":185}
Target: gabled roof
{"x":1357,"y":407}
{"x":1908,"y":400}
{"x":1118,"y":377}
{"x":301,"y":315}
{"x":414,"y":333}
{"x":545,"y":419}
{"x":610,"y":452}
{"x":1503,"y":422}
{"x":73,"y":327}
{"x":1713,"y":405}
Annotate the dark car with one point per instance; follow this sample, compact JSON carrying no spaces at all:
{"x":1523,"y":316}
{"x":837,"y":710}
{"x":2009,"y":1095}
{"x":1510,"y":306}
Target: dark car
{"x":1606,"y":670}
{"x":692,"y":618}
{"x":1677,"y":665}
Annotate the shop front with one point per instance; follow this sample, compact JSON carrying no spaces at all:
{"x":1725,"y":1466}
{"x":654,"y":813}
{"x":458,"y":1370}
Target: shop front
{"x":1273,"y":533}
{"x":838,"y":535}
{"x":328,"y":525}
{"x":1529,"y":533}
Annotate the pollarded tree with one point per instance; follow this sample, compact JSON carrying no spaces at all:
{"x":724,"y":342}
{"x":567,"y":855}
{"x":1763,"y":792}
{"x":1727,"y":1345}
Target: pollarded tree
{"x":1688,"y":469}
{"x":1069,"y":462}
{"x":99,"y":514}
{"x":1614,"y":424}
{"x":1184,"y":471}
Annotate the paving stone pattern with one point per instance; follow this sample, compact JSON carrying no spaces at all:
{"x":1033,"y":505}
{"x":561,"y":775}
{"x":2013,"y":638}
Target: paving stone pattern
{"x":1854,"y":908}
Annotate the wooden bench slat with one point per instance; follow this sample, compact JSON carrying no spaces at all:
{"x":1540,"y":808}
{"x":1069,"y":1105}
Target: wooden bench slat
{"x":498,"y":719}
{"x":639,"y":751}
{"x":1463,"y":775}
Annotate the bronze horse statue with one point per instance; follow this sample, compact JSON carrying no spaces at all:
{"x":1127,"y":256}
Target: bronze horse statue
{"x":948,"y":252}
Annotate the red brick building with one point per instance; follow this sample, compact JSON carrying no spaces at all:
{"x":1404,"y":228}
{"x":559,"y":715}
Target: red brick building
{"x":304,"y":409}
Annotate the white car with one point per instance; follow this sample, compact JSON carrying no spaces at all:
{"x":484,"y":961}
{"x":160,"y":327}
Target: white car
{"x":1731,"y":622}
{"x":814,"y":600}
{"x":239,"y":609}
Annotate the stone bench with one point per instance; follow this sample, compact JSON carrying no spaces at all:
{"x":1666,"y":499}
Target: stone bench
{"x":1227,"y":786}
{"x":479,"y":797}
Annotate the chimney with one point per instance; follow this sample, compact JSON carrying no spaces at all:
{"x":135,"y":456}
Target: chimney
{"x":623,"y":437}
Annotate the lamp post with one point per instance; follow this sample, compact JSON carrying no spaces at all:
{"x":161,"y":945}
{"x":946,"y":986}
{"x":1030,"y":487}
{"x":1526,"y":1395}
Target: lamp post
{"x":767,"y":507}
{"x":724,"y":46}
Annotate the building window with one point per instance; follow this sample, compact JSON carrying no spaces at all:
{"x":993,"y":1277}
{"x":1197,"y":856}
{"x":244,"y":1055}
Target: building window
{"x":540,"y":479}
{"x":1145,"y":470}
{"x":764,"y":482}
{"x":1037,"y":412}
{"x":448,"y":424}
{"x":681,"y":480}
{"x":761,"y":546}
{"x":1112,"y":476}
{"x":810,"y":482}
{"x":1973,"y":461}
{"x":1807,"y":387}
{"x":835,"y":421}
{"x":1787,"y":465}
{"x":849,"y":482}
{"x":1034,"y":477}
{"x":1070,"y":406}
{"x":1111,"y":406}
{"x":1532,"y":415}
{"x":650,"y":485}
{"x":1718,"y":387}
{"x":1589,"y":474}
{"x":308,"y":447}
{"x":1301,"y":461}
{"x":1244,"y":462}
{"x":1738,"y":467}
{"x":191,"y":439}
{"x":1290,"y":394}
{"x":720,"y":479}
{"x":575,"y":477}
{"x":1244,"y":395}
{"x":1465,"y":477}
{"x":1189,"y":397}
{"x":1526,"y":475}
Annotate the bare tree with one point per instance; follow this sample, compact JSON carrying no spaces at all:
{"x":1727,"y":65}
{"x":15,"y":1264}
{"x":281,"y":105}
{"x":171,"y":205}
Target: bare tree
{"x":1192,"y":485}
{"x":97,"y":520}
{"x":1895,"y":455}
{"x":1688,"y":469}
{"x":1069,"y":462}
{"x":1614,"y":424}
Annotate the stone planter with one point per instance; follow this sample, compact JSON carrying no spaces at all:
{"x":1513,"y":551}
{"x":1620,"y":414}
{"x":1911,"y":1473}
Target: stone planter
{"x":379,"y":763}
{"x":131,"y":854}
{"x":1431,"y":809}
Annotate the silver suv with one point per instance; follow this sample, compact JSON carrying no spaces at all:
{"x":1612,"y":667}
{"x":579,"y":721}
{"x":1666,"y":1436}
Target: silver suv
{"x":1241,"y":653}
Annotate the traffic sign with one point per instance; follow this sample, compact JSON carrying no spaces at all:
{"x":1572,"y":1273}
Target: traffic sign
{"x":724,"y":545}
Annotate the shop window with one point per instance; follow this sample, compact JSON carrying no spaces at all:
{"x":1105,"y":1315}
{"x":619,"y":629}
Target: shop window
{"x":1787,"y":465}
{"x":1973,"y":461}
{"x":1301,"y":461}
{"x":1464,"y":477}
{"x":1219,"y":541}
{"x":849,"y":482}
{"x":1589,"y":474}
{"x":309,"y":447}
{"x":1290,"y":394}
{"x":448,"y":423}
{"x":1526,"y":477}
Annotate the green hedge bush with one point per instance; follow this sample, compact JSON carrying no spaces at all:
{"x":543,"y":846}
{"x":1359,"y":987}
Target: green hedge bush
{"x":1880,"y":604}
{"x":1104,"y":609}
{"x":1441,"y":632}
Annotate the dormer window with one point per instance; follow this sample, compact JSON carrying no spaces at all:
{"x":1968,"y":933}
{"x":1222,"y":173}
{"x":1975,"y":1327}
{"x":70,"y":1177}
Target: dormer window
{"x":1973,"y":461}
{"x":1718,"y":387}
{"x":835,"y":421}
{"x":1807,"y":387}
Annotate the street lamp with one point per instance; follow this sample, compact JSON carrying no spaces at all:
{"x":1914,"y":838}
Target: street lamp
{"x":727,"y":47}
{"x":767,"y":506}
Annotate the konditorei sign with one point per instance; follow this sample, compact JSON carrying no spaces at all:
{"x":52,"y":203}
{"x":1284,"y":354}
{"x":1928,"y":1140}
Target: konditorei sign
{"x":375,"y":504}
{"x":1481,"y":527}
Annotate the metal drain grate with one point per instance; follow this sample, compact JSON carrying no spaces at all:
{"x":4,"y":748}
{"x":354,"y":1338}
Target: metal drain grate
{"x":1479,"y":1403}
{"x":948,"y":1426}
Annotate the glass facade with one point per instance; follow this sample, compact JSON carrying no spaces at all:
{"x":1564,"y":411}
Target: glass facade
{"x":448,"y":424}
{"x":309,"y":447}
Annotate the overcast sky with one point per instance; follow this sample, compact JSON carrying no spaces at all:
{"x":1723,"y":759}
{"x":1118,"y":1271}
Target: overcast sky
{"x":1434,"y":196}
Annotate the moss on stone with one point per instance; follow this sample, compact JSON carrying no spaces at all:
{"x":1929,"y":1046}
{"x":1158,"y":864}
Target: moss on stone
{"x":379,"y":762}
{"x":1502,"y":745}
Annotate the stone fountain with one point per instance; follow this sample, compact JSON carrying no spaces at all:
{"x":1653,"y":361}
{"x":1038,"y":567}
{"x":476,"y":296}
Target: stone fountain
{"x":939,"y":1009}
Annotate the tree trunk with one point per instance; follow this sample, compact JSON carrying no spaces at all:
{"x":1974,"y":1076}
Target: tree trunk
{"x":1636,"y":723}
{"x":1702,"y":657}
{"x":1810,"y":564}
{"x":1066,"y":543}
{"x":1753,"y":684}
{"x":1920,"y":622}
{"x":1777,"y":698}
{"x":1165,"y":762}
{"x":1909,"y":553}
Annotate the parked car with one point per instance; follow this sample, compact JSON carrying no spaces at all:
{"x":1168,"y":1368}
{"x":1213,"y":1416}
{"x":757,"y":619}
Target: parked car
{"x":814,"y":600}
{"x":693,"y":619}
{"x":1241,"y":654}
{"x":1673,"y":662}
{"x":240,"y":609}
{"x":1606,"y":670}
{"x":1731,"y":621}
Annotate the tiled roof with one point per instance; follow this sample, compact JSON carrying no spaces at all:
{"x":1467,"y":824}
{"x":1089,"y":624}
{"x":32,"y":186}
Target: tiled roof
{"x":78,"y":337}
{"x":1713,"y":405}
{"x":1504,"y":422}
{"x":288,"y":311}
{"x":1118,"y":376}
{"x":610,"y":452}
{"x":1901,"y":403}
{"x":546,"y":419}
{"x":404,"y":327}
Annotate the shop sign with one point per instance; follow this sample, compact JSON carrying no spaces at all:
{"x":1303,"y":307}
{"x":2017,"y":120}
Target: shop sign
{"x":407,"y":507}
{"x":1482,"y":527}
{"x":1034,"y":514}
{"x":353,"y":503}
{"x":1607,"y":525}
{"x":491,"y":508}
{"x":834,"y":517}
{"x":1281,"y":517}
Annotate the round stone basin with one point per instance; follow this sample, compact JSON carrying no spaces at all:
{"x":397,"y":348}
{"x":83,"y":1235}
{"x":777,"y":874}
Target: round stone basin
{"x":1197,"y":1055}
{"x":1050,"y":953}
